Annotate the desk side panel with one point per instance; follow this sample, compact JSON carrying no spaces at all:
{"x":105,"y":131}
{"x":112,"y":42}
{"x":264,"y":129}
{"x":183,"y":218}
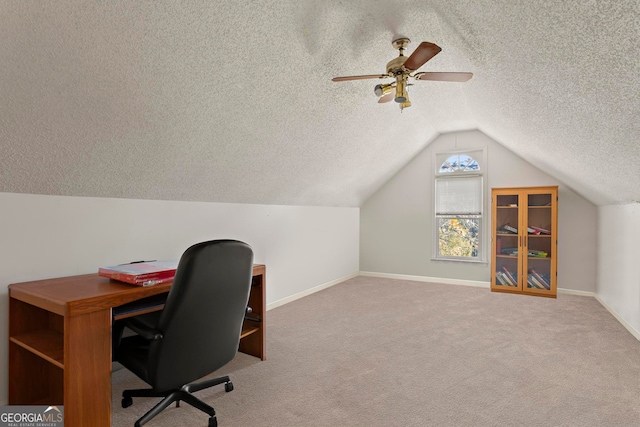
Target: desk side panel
{"x":255,"y":343}
{"x":87,"y":373}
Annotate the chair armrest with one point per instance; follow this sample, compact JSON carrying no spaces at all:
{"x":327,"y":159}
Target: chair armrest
{"x":143,"y":329}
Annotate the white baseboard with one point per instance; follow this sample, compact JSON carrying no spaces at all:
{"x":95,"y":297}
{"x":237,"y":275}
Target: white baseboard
{"x":574,"y":292}
{"x":313,"y":290}
{"x":475,"y":283}
{"x":624,"y":323}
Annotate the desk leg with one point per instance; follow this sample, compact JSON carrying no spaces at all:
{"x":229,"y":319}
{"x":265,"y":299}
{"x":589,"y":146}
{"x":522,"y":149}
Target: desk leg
{"x":87,"y":369}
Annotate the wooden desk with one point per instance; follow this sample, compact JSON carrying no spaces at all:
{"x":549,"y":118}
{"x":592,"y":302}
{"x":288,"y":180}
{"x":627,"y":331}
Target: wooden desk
{"x":60,"y":341}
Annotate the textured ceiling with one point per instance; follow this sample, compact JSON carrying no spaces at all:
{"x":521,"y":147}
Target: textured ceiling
{"x":232,"y":101}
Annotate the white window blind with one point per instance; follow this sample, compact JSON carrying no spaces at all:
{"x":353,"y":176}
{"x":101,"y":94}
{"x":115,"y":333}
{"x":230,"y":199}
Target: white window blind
{"x":459,"y":195}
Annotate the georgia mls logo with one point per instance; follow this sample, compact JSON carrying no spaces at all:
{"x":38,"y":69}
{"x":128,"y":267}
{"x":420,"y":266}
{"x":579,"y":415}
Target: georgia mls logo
{"x":55,"y":412}
{"x":31,"y":416}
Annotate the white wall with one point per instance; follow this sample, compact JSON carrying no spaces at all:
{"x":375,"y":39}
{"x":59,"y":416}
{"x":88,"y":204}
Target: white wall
{"x":396,"y":222}
{"x":618,"y":283}
{"x":53,"y":236}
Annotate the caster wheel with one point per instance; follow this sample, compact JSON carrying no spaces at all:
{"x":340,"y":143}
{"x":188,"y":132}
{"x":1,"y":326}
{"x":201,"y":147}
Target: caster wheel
{"x":213,"y":422}
{"x":228,"y":386}
{"x":126,"y":402}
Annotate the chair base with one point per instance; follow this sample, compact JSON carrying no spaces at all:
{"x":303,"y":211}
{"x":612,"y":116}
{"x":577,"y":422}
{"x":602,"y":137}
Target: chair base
{"x":177,"y":395}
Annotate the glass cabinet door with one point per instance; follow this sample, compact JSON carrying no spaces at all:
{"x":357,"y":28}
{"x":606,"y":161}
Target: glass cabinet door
{"x":506,"y":245}
{"x":539,"y":243}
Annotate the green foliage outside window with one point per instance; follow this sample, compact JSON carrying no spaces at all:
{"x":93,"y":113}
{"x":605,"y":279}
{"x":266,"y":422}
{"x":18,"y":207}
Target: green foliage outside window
{"x":458,"y":237}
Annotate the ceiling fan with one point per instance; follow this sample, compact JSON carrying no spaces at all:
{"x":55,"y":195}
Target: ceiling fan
{"x":401,"y":69}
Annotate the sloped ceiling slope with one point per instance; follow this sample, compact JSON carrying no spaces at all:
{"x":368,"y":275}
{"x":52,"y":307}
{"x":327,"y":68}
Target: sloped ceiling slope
{"x":231,"y":101}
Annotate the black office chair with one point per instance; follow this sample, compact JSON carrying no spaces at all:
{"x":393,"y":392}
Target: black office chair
{"x":197,"y":332}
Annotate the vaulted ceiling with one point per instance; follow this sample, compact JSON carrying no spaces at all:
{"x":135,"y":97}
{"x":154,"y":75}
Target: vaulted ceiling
{"x":231,"y":101}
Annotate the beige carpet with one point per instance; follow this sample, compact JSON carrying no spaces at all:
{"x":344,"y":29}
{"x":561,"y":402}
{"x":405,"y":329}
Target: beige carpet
{"x":379,"y":352}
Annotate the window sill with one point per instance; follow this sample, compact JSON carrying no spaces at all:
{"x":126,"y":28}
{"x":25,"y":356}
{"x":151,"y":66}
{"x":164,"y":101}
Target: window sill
{"x":471,"y":261}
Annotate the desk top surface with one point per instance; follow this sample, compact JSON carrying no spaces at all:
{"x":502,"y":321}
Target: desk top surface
{"x":74,"y":295}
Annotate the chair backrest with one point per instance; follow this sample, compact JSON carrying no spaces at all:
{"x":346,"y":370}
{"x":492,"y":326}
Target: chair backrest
{"x":202,"y":319}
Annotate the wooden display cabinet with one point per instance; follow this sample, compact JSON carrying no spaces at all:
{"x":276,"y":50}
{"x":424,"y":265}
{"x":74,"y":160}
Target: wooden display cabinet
{"x":524,"y":240}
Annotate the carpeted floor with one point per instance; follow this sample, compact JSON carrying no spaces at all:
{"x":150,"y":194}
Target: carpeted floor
{"x":381,"y":352}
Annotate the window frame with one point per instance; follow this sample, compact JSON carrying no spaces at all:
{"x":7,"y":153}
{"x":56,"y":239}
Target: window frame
{"x":479,"y":155}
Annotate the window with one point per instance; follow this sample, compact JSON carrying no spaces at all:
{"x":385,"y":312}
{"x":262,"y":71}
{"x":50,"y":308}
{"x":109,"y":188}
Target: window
{"x":459,"y":163}
{"x":459,"y":188}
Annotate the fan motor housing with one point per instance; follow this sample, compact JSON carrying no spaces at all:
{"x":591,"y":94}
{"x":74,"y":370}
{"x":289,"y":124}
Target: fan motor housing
{"x":395,"y":66}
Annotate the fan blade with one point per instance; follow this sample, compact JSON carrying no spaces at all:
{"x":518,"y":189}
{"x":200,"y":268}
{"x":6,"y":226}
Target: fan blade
{"x":388,"y":97}
{"x":445,"y":77}
{"x":424,"y":52}
{"x":370,"y":76}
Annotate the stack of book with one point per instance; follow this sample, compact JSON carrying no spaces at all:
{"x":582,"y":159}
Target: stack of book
{"x":530,"y":252}
{"x":532,"y":229}
{"x":509,"y":251}
{"x":145,"y":273}
{"x":508,"y":229}
{"x":506,"y":277}
{"x":537,"y":254}
{"x":538,"y":281}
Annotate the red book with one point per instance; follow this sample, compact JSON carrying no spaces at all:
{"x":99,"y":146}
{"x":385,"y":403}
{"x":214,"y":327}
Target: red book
{"x":141,"y":273}
{"x":539,"y":230}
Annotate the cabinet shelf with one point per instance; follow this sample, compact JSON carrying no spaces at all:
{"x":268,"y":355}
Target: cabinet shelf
{"x":530,"y":257}
{"x":45,"y":343}
{"x":248,"y":330}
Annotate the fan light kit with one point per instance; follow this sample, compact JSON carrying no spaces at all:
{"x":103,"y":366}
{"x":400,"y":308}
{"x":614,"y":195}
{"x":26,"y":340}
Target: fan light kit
{"x":401,"y":69}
